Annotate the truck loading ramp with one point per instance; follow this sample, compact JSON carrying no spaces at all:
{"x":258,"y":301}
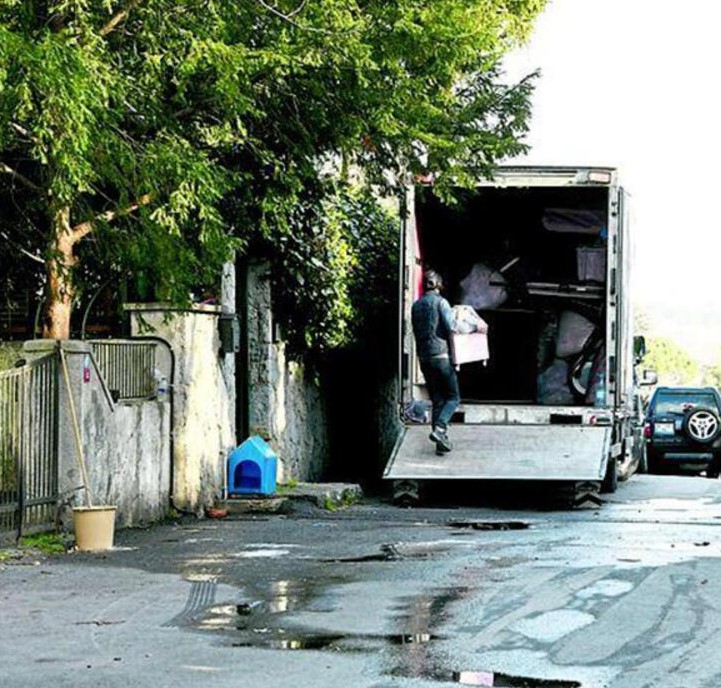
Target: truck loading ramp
{"x":503,"y":452}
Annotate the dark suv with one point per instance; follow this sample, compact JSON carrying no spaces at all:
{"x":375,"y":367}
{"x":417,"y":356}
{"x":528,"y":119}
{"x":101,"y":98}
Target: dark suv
{"x":683,"y":426}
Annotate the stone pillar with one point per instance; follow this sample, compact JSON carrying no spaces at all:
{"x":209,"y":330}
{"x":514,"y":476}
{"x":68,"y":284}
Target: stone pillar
{"x":285,"y":406}
{"x":203,"y":398}
{"x":261,"y":363}
{"x":228,"y":367}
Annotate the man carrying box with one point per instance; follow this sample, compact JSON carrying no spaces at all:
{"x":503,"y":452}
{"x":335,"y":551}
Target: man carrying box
{"x":433,"y":326}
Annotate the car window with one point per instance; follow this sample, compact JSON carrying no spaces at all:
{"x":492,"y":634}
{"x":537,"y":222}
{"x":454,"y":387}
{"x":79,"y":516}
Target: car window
{"x":677,"y":403}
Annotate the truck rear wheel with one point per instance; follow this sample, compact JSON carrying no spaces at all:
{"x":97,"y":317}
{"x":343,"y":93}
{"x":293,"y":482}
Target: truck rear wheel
{"x":406,"y":493}
{"x":571,"y":495}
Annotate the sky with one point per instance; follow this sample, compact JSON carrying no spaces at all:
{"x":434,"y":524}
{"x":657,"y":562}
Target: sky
{"x":633,"y":84}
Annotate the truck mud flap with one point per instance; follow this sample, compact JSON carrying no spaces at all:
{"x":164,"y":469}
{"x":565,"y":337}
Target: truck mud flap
{"x":559,"y":453}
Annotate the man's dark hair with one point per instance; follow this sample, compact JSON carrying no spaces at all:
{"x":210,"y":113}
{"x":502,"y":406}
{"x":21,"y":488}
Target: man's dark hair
{"x":432,"y":280}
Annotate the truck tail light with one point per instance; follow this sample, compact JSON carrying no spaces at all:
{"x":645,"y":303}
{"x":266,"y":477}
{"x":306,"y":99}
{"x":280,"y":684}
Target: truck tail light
{"x":647,"y":430}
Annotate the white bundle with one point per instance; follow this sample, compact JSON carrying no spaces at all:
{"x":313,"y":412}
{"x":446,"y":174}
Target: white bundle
{"x":483,"y":288}
{"x":466,"y":320}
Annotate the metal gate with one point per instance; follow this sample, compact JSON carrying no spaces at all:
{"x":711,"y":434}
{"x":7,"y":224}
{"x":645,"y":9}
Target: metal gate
{"x":29,"y":446}
{"x":127,"y":366}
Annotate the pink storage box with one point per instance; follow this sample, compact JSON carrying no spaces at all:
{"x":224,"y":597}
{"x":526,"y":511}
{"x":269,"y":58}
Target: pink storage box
{"x":466,"y":348}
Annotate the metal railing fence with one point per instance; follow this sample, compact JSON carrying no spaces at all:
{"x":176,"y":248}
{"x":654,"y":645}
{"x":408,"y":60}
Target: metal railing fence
{"x":127,"y":367}
{"x":28,"y":446}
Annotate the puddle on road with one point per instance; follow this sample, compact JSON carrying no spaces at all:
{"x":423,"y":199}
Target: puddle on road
{"x":260,"y":623}
{"x":409,"y":652}
{"x":422,"y":614}
{"x":492,"y":679}
{"x":295,"y":642}
{"x":411,"y":638}
{"x":496,"y":680}
{"x":298,"y":639}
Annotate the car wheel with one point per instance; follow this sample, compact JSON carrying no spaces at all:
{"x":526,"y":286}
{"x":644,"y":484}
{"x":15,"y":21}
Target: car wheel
{"x":702,"y":425}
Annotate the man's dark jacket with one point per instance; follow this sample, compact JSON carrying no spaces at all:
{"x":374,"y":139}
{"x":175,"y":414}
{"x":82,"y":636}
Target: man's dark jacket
{"x":432,"y":319}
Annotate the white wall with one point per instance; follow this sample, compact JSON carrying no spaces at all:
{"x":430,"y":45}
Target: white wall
{"x":126,"y":446}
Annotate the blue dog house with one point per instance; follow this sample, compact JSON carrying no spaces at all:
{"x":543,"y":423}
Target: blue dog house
{"x":252,"y":468}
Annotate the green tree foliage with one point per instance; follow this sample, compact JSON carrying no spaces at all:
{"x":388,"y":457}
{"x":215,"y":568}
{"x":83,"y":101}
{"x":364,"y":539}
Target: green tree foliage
{"x":711,"y":372}
{"x":155,"y":137}
{"x":712,"y":376}
{"x":642,"y":323}
{"x":675,"y":367}
{"x":350,"y":244}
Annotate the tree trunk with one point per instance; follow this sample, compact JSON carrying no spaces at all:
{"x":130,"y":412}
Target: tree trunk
{"x":60,"y":288}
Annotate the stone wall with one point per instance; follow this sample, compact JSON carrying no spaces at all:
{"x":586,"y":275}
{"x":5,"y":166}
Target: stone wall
{"x":285,"y":403}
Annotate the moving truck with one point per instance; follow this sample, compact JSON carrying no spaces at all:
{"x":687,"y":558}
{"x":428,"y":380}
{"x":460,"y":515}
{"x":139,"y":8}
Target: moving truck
{"x":543,"y":255}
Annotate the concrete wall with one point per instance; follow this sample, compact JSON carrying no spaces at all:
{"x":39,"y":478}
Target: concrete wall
{"x":203,"y":398}
{"x":126,"y":445}
{"x":285,"y":404}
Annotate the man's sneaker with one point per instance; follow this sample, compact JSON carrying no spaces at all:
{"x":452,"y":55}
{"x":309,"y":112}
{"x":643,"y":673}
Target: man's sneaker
{"x":440,"y":437}
{"x":443,"y":448}
{"x":437,"y":435}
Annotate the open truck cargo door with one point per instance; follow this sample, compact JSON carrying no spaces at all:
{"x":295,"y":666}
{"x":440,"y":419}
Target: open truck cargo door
{"x":504,"y":452}
{"x":553,"y":402}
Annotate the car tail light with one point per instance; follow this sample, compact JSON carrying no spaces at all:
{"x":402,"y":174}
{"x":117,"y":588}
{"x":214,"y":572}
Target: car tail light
{"x":647,"y":430}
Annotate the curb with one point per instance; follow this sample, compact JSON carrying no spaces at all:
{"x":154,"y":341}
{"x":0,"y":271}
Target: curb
{"x":327,"y":496}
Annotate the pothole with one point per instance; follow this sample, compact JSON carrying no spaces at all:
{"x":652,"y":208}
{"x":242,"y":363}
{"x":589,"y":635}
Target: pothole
{"x":388,"y":553}
{"x":397,"y":552}
{"x":490,"y":525}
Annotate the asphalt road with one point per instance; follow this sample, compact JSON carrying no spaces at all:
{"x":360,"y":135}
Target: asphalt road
{"x":625,"y":596}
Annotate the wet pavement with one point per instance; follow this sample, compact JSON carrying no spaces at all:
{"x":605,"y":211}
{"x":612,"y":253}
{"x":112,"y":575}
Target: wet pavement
{"x":473,"y":591}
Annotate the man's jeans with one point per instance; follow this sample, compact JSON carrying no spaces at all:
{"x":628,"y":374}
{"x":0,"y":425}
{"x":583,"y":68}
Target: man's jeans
{"x":442,"y":385}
